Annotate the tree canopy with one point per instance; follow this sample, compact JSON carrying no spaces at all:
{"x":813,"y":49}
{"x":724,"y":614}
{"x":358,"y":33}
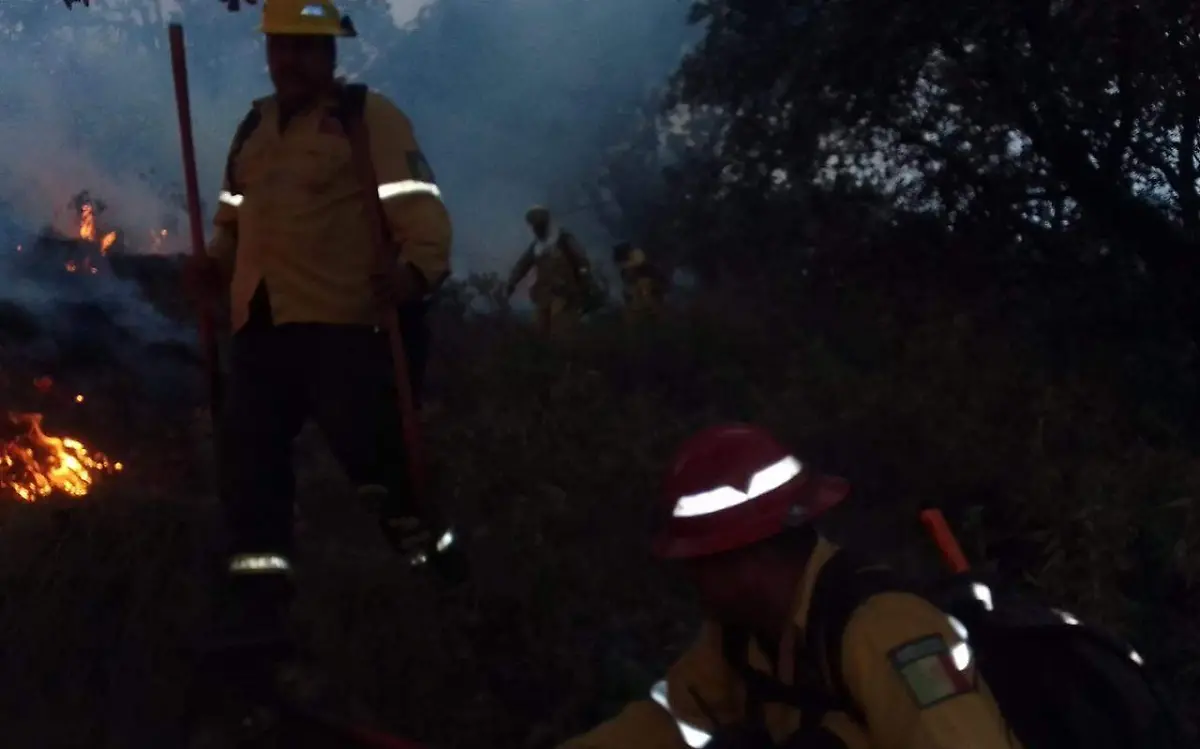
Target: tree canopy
{"x":1036,"y":156}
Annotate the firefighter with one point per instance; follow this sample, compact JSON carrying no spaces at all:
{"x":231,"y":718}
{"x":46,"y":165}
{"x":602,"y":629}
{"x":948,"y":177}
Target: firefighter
{"x":293,"y":246}
{"x":562,"y":282}
{"x":643,"y":284}
{"x":738,"y":516}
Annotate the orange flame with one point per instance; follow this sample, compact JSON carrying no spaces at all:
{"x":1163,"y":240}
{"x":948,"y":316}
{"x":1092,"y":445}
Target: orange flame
{"x":87,"y":229}
{"x":35,"y":465}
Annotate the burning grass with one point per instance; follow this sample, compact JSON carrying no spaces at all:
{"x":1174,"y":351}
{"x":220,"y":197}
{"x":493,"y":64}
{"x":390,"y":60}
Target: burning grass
{"x":87,"y":230}
{"x":81,"y":243}
{"x":34,"y":465}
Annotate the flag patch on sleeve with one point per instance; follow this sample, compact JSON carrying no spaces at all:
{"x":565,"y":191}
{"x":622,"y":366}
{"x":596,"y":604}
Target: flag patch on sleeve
{"x":927,"y":668}
{"x":418,"y":167}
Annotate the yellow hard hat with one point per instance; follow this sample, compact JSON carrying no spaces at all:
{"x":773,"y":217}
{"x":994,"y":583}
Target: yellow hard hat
{"x":537,"y":213}
{"x":304,"y":17}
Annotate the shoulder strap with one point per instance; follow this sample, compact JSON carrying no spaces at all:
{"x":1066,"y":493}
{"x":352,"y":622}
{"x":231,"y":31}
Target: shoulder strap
{"x":843,"y":585}
{"x":247,"y":126}
{"x":762,"y":688}
{"x":351,"y":104}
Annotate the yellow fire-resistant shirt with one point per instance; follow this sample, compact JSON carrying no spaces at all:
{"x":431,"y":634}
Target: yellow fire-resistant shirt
{"x":296,"y":218}
{"x":888,"y":666}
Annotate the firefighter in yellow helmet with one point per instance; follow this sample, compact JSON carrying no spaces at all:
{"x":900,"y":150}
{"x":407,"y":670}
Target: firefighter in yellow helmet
{"x":643,"y":284}
{"x":562,"y":282}
{"x":292,"y":245}
{"x":737,"y":513}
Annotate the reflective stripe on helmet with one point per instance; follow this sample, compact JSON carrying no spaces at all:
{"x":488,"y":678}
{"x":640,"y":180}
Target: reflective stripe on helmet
{"x":254,"y":564}
{"x":230,"y":199}
{"x":692,"y":735}
{"x":408,"y":187}
{"x":723,"y":497}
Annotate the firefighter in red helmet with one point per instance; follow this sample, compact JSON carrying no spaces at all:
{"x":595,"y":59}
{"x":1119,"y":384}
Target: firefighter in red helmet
{"x":739,"y":514}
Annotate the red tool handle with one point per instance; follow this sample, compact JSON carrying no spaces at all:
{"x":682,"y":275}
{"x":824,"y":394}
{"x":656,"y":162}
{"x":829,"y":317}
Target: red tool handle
{"x":322,"y":730}
{"x":382,"y":741}
{"x":385,"y":263}
{"x":952,"y":553}
{"x":208,"y":337}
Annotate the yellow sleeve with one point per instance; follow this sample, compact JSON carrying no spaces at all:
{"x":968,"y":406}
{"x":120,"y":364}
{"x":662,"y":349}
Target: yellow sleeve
{"x":522,"y":268}
{"x":915,"y":679}
{"x":223,"y":248}
{"x":223,"y":245}
{"x":412,"y":202}
{"x":681,"y":723}
{"x":641,"y":725}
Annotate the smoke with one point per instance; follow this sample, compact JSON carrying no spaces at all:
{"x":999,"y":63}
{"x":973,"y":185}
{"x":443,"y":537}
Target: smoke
{"x":404,"y":13}
{"x":518,"y":99}
{"x":513,"y":100}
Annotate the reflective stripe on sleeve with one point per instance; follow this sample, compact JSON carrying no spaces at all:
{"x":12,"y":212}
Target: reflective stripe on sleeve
{"x":389,"y":190}
{"x":693,"y":736}
{"x":230,"y":199}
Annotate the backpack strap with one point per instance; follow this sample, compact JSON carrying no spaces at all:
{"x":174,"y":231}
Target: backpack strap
{"x":350,"y":112}
{"x":352,"y":103}
{"x":762,"y":688}
{"x":843,"y":585}
{"x":814,"y":703}
{"x":244,"y":130}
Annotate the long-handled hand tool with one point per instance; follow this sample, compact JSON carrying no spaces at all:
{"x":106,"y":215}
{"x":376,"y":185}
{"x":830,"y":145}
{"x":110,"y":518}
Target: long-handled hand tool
{"x":208,"y":336}
{"x":448,"y":561}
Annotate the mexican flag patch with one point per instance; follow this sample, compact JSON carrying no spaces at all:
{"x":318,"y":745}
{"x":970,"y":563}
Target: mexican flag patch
{"x":927,"y":669}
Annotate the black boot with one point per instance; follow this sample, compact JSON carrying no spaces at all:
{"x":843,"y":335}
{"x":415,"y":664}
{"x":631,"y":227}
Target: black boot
{"x":422,"y":541}
{"x":252,"y":612}
{"x":238,"y":661}
{"x":441,"y":552}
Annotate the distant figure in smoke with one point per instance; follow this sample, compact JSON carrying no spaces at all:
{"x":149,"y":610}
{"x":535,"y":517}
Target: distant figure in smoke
{"x":644,"y":286}
{"x":563,"y":283}
{"x":293,"y":245}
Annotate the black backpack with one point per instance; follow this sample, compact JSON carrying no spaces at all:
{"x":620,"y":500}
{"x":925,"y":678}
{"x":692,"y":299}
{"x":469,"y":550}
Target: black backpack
{"x":1060,"y":683}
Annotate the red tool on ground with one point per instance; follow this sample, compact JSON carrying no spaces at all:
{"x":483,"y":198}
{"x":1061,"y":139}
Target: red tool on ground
{"x":939,"y":529}
{"x":305,"y":730}
{"x":208,"y":336}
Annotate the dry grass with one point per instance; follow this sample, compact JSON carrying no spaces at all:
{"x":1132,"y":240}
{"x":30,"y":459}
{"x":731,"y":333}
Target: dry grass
{"x":548,"y":457}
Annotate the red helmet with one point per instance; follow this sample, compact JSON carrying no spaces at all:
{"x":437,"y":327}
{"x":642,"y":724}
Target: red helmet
{"x":733,"y":486}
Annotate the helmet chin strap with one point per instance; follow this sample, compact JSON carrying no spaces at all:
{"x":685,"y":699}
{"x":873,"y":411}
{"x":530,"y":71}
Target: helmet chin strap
{"x":769,"y":577}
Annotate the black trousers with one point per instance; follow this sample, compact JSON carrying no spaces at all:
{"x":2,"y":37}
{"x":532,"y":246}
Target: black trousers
{"x":342,"y":378}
